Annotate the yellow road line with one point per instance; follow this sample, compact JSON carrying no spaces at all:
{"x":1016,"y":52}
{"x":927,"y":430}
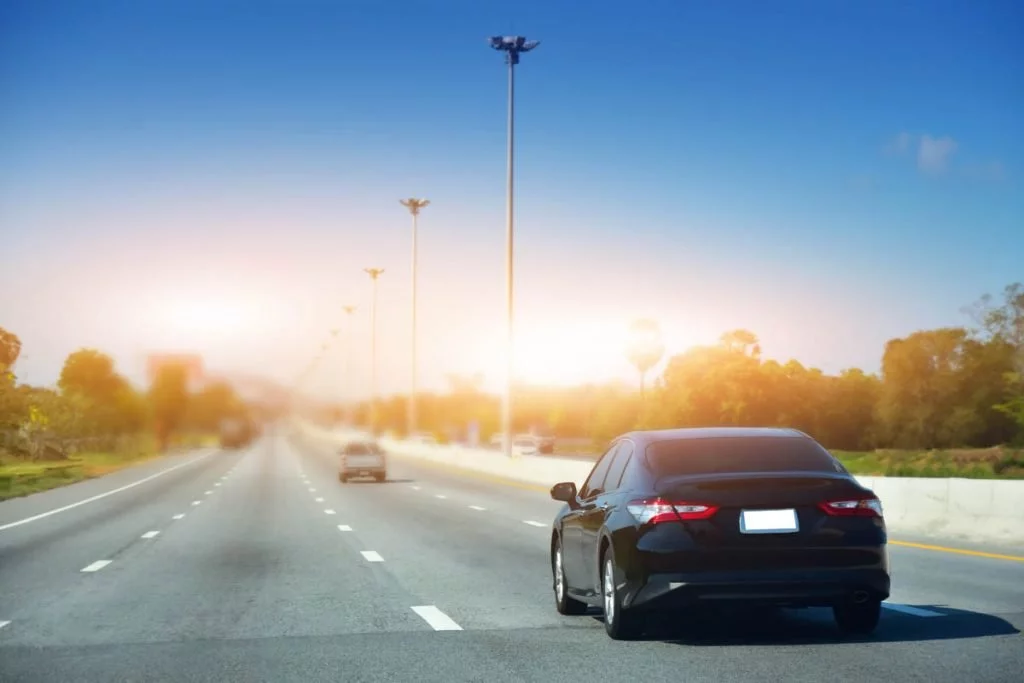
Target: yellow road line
{"x":958,"y":551}
{"x":494,"y":479}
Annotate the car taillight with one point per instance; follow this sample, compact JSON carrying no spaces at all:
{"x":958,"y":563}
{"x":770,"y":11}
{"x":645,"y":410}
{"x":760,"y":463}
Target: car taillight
{"x":857,"y":507}
{"x":657,"y":510}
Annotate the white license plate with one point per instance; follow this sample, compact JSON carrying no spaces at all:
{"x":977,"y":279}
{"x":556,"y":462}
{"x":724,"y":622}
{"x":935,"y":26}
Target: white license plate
{"x":768,"y":522}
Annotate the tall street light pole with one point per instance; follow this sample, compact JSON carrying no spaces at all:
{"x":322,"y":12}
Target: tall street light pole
{"x":374,"y":273}
{"x":414,"y":205}
{"x":512,"y":46}
{"x":346,"y":365}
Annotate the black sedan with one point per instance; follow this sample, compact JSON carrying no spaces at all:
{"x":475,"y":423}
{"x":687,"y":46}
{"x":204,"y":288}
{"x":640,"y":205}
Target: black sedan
{"x":669,"y":519}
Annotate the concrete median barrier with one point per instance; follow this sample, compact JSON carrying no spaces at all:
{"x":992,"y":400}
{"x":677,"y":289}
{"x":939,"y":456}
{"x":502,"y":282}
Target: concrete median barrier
{"x":979,"y":510}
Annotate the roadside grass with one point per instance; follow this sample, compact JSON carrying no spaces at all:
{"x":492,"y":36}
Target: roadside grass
{"x":20,"y":477}
{"x":999,"y":462}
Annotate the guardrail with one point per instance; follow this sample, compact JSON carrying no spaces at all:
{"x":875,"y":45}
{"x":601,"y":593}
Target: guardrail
{"x":980,"y":510}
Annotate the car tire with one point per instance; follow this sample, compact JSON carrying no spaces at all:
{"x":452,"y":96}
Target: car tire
{"x":858,"y":618}
{"x":343,"y":478}
{"x":563,"y":603}
{"x":619,"y":623}
{"x":381,"y":478}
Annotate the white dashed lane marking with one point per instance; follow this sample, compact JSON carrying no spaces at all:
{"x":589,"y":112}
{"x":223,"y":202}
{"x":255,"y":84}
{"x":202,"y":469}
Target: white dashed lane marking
{"x":96,"y":566}
{"x":216,"y":484}
{"x":415,"y":488}
{"x":328,"y":512}
{"x":178,"y":516}
{"x":151,"y":534}
{"x":319,"y":500}
{"x":372,"y":556}
{"x":913,"y":611}
{"x":437,"y":619}
{"x":441,"y":496}
{"x":344,"y":527}
{"x":477,"y":508}
{"x":209,"y":492}
{"x":101,"y":496}
{"x":533,"y":523}
{"x":197,"y":502}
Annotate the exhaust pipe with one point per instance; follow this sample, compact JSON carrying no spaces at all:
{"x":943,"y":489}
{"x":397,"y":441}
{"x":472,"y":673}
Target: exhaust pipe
{"x":859,"y":597}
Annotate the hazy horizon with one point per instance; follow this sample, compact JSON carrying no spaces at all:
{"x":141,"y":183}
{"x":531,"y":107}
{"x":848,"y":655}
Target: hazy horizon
{"x":191,"y":179}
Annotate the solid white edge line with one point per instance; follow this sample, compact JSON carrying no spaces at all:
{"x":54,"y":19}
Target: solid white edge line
{"x":180,"y":515}
{"x":328,"y":512}
{"x":533,"y":523}
{"x":344,"y":527}
{"x":96,"y":566}
{"x":43,"y":515}
{"x":913,"y":611}
{"x":371,"y":555}
{"x":477,"y":508}
{"x":437,"y":619}
{"x":151,"y":534}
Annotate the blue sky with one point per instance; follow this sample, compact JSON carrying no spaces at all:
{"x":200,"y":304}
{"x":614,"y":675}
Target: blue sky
{"x":826,"y":174}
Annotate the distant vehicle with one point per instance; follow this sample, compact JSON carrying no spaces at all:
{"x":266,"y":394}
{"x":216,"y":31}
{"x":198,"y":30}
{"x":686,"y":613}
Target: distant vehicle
{"x":525,"y":445}
{"x":545,"y":441}
{"x":362,"y":458}
{"x":668,"y":519}
{"x":236,"y":433}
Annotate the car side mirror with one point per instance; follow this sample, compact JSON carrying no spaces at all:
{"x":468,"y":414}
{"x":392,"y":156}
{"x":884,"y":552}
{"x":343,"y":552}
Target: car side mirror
{"x":564,"y":492}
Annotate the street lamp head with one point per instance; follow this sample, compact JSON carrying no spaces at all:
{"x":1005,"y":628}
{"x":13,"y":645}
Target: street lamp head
{"x":512,"y":46}
{"x":374,"y":273}
{"x":414,"y":205}
{"x":349,"y":309}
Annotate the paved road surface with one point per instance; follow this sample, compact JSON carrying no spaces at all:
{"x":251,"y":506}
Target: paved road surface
{"x":258,"y":565}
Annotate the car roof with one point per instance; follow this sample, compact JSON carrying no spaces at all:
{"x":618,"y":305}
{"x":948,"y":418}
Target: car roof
{"x":656,"y":435}
{"x":361,"y":442}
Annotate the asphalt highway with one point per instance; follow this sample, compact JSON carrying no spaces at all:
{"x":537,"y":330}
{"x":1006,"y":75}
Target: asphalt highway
{"x":258,"y":565}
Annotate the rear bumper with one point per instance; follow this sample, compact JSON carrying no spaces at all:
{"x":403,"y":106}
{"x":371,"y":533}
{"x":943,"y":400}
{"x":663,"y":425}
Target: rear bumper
{"x":363,"y":471}
{"x":787,"y":588}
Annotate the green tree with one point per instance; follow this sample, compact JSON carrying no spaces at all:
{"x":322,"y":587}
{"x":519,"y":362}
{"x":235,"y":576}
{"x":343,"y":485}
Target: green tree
{"x":91,"y":373}
{"x":111,"y":405}
{"x":10,"y":349}
{"x":13,"y":409}
{"x":213,"y":404}
{"x":169,"y":398}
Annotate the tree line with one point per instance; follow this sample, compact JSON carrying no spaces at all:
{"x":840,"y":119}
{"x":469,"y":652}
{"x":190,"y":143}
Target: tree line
{"x":94,"y":406}
{"x":953,"y":387}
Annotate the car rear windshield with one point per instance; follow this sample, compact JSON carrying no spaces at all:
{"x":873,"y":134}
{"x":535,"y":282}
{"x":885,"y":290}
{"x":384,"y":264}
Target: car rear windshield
{"x":739,"y":454}
{"x":362,"y":449}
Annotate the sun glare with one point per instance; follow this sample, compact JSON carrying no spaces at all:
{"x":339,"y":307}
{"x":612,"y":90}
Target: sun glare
{"x":204,"y":320}
{"x":571,"y":356}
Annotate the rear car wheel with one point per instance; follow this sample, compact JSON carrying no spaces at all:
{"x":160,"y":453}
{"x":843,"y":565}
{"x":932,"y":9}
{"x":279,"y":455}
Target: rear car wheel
{"x":563,"y":603}
{"x":343,"y":478}
{"x":858,"y":618}
{"x":381,"y":478}
{"x":619,"y":623}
